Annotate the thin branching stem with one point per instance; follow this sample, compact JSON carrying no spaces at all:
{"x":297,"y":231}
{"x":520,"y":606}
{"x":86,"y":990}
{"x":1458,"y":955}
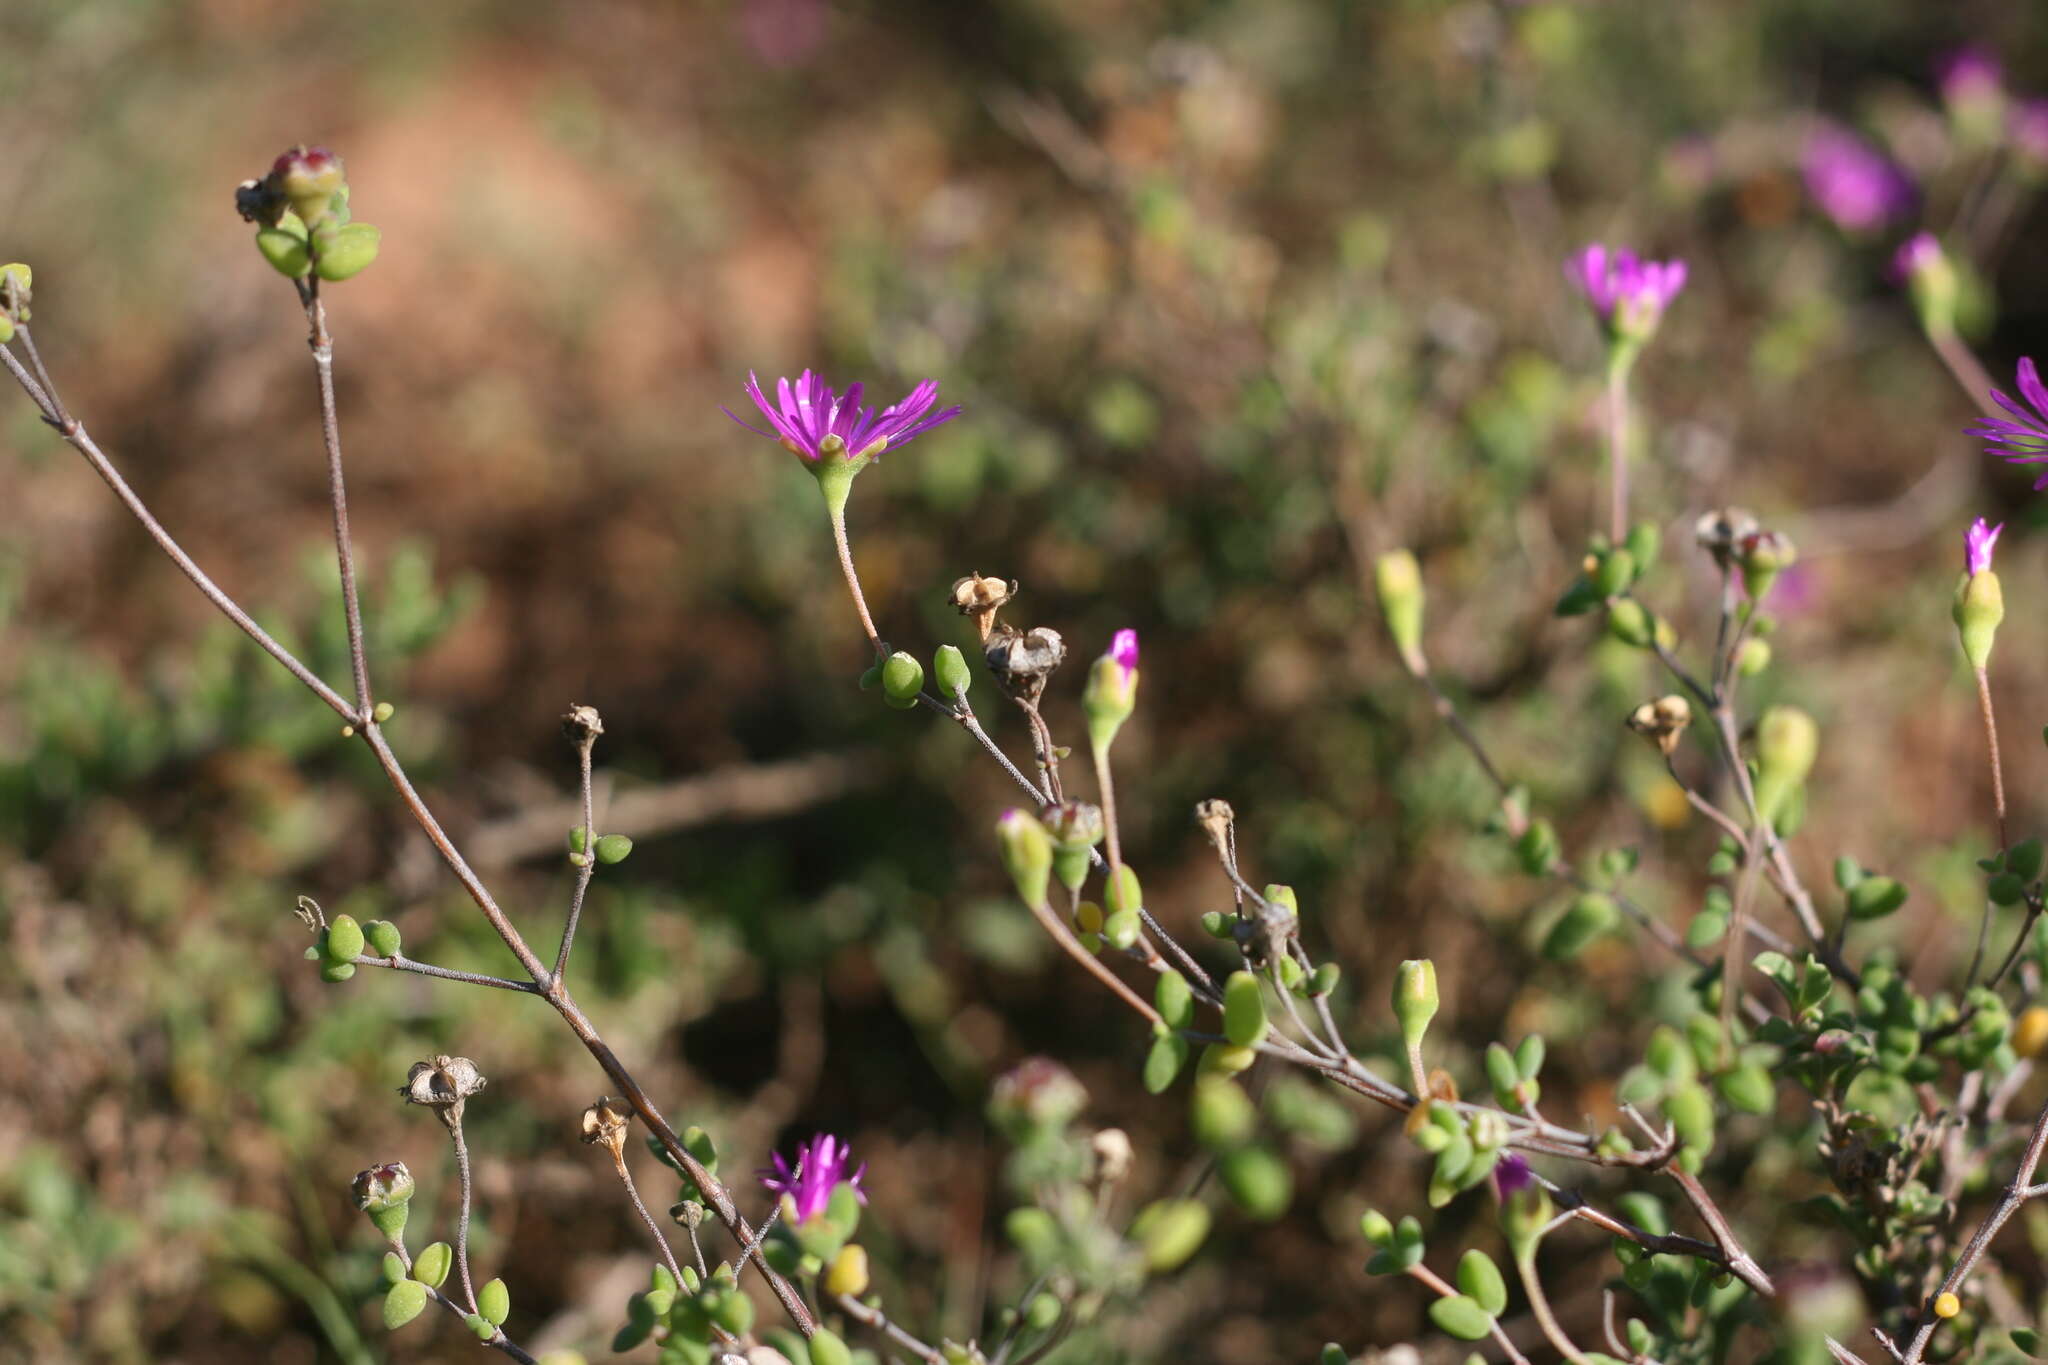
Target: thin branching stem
{"x":876,"y":1319}
{"x":2016,"y":1193}
{"x":322,"y":345}
{"x":668,"y":1257}
{"x":584,"y":744}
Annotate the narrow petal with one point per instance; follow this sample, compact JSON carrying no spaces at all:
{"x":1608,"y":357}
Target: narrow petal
{"x":2030,"y":388}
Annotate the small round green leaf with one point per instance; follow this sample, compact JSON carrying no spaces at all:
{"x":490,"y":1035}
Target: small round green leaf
{"x":1244,"y":1010}
{"x":494,"y":1301}
{"x":404,"y":1302}
{"x":1461,"y":1317}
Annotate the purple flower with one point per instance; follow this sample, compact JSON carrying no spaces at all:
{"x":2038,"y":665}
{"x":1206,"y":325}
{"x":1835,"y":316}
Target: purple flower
{"x":813,"y":422}
{"x":820,"y":1167}
{"x":1918,"y":252}
{"x":1969,"y":73}
{"x":1978,"y":543}
{"x":1511,"y":1175}
{"x":2023,"y":440}
{"x":1627,"y":293}
{"x":2028,"y":128}
{"x":1123,"y":650}
{"x":1852,"y":182}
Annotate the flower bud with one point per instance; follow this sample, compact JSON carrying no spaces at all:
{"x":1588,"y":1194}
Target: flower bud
{"x":1980,"y":602}
{"x":902,"y":680}
{"x":848,"y":1273}
{"x":1076,"y":827}
{"x":1027,"y":854}
{"x":385,"y":1193}
{"x":1787,"y":741}
{"x":1399,"y":580}
{"x":1036,"y":1095}
{"x":1112,"y":691}
{"x":1415,"y":999}
{"x":1764,"y":555}
{"x":308,"y":178}
{"x":1928,"y":274}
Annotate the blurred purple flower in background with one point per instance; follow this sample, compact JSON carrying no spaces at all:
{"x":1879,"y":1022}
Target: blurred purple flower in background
{"x":820,"y":1165}
{"x":1854,"y":184}
{"x":811,"y":421}
{"x":2024,"y":439}
{"x":2028,"y":128}
{"x":1978,"y":543}
{"x":1511,"y":1175}
{"x":784,"y":33}
{"x":1969,"y":74}
{"x":1626,"y":292}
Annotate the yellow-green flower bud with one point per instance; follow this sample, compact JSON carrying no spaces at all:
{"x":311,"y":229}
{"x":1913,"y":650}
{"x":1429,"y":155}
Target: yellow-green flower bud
{"x":1112,"y":691}
{"x":1415,"y":999}
{"x":1787,"y":741}
{"x":1399,"y":580}
{"x":1027,"y":854}
{"x":848,"y":1273}
{"x":1980,"y":606}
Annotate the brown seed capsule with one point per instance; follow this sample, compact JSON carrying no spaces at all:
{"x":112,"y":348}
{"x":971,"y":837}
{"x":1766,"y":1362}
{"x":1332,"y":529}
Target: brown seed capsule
{"x":1021,"y":661}
{"x":981,"y":598}
{"x":606,"y":1122}
{"x":444,"y":1085}
{"x":1662,"y":722}
{"x":581,"y":723}
{"x":1721,"y":532}
{"x":1112,"y":1154}
{"x":1216,"y":817}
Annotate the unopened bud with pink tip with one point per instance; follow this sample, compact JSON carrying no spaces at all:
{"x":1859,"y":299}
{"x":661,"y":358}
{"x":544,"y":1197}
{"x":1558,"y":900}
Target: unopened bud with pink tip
{"x":1980,"y":602}
{"x":1112,"y":691}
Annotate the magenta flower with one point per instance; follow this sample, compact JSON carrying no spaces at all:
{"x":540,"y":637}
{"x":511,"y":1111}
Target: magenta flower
{"x":1511,"y":1175}
{"x":2023,"y":440}
{"x":1969,"y":74}
{"x":1852,"y":182}
{"x":813,"y":422}
{"x":1123,"y":650}
{"x":1627,"y":293}
{"x":1978,"y":543}
{"x":820,"y":1167}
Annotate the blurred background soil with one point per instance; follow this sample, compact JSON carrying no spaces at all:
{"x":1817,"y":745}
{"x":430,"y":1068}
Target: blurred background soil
{"x":1235,"y":292}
